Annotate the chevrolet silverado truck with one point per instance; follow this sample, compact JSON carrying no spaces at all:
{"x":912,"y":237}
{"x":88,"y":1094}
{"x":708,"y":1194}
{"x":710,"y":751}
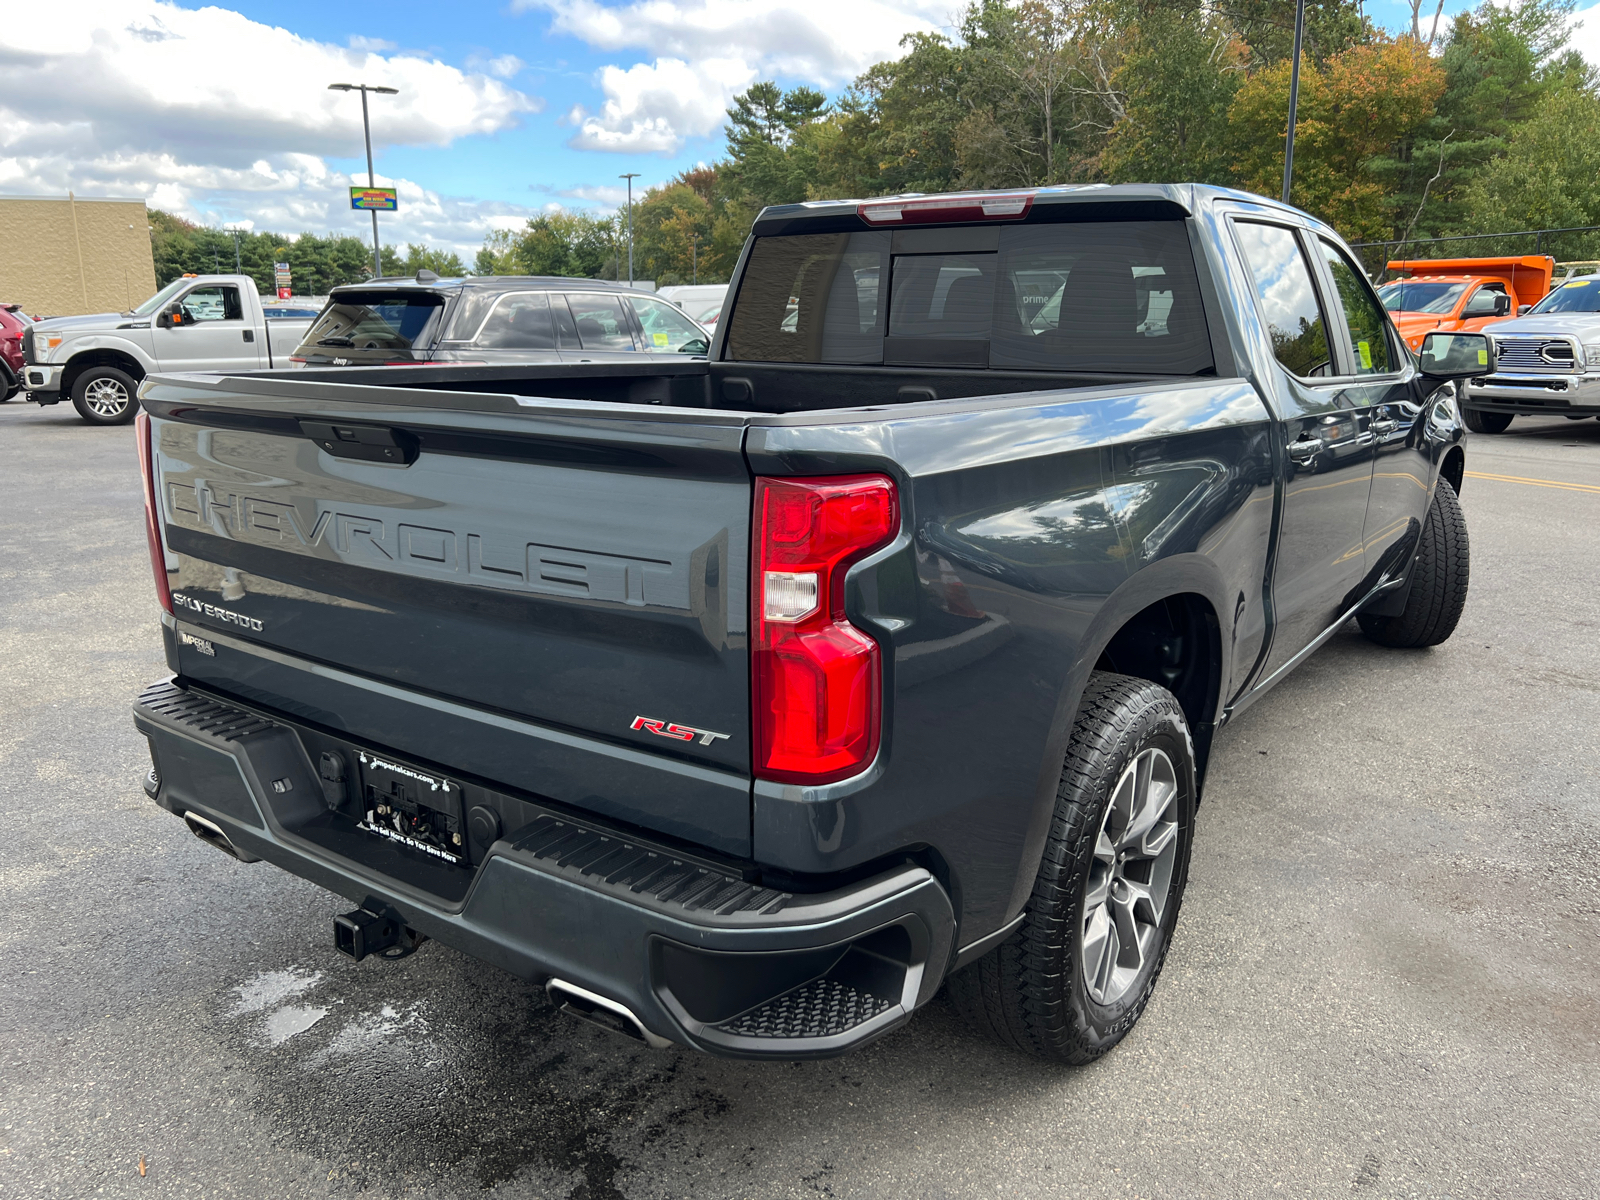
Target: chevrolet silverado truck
{"x":195,"y":323}
{"x":1547,"y":362}
{"x":743,"y":700}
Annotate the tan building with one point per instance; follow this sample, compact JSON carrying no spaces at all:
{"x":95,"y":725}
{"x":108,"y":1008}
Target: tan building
{"x":61,"y":257}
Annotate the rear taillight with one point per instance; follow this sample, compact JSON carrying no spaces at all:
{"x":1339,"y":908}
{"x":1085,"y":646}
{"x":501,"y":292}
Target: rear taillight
{"x":818,"y":680}
{"x":959,"y":206}
{"x":152,"y":511}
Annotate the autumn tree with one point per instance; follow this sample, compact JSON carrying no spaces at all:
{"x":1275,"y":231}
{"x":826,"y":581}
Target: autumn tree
{"x":1351,"y":110}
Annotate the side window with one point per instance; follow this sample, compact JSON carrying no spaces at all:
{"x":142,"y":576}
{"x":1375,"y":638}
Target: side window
{"x":666,"y":329}
{"x":600,"y":321}
{"x":213,"y":304}
{"x":520,"y":321}
{"x":1368,"y":323}
{"x":1484,"y":301}
{"x":1288,"y":298}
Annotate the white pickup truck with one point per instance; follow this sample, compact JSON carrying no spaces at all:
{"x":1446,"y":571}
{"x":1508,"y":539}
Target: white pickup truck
{"x":196,"y":323}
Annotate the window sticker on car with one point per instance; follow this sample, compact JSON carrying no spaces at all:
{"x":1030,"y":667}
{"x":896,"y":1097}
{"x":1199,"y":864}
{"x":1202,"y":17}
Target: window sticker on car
{"x":660,"y":339}
{"x":1365,"y":350}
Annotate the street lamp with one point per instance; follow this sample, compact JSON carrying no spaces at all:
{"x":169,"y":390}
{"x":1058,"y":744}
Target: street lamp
{"x":694,"y":258}
{"x":630,"y":177}
{"x":237,"y":269}
{"x":366,"y":129}
{"x":1294,"y":95}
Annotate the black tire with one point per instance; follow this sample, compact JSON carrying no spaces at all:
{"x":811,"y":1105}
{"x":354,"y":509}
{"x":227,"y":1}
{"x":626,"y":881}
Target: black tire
{"x":1485,"y":422}
{"x":1439,"y":578}
{"x":106,"y":396}
{"x":1033,"y":992}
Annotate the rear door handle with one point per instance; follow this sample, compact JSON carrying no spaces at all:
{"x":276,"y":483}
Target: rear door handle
{"x":1385,"y":426}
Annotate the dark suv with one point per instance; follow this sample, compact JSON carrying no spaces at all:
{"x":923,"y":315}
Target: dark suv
{"x":13,"y":322}
{"x":387,"y":322}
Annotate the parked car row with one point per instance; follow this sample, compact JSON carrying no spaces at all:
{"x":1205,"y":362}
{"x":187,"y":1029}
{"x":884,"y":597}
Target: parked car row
{"x":1545,"y":329}
{"x":219,"y":323}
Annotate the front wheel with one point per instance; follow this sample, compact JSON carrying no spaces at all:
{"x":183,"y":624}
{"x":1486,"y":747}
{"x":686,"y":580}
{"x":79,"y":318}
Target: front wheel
{"x":1439,"y":579}
{"x":105,"y":396}
{"x":1076,"y":976}
{"x":1485,"y":422}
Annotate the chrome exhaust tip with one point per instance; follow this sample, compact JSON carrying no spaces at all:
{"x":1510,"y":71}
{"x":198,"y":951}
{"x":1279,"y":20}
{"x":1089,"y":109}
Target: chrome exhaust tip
{"x":212,"y":834}
{"x":598,"y":1010}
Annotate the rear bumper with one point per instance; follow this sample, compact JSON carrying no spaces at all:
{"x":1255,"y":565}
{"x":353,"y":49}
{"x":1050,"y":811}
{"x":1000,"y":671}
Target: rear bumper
{"x":698,"y":951}
{"x":1536,"y":393}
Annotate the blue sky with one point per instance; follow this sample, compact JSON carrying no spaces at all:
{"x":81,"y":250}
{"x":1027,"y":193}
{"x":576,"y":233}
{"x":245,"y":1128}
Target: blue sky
{"x":222,"y":114}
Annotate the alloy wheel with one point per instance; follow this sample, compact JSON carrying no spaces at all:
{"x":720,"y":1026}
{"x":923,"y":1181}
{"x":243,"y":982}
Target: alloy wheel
{"x":106,"y":398}
{"x":1130,"y":877}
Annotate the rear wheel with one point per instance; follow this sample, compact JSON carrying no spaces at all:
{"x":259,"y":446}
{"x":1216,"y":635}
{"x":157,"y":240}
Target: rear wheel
{"x":105,"y":396}
{"x":1072,"y":982}
{"x":1485,"y":422}
{"x":1439,"y":578}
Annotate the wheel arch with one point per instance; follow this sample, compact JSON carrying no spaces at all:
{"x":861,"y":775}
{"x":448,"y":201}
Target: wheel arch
{"x":1453,"y":468}
{"x":102,"y":356}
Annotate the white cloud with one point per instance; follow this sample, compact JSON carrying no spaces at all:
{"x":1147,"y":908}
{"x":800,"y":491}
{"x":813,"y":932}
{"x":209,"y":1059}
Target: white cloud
{"x":131,"y":98}
{"x":652,"y":108}
{"x":1586,"y":37}
{"x":706,"y":51}
{"x":377,"y":45}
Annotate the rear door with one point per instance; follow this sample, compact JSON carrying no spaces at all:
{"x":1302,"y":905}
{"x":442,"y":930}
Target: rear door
{"x":593,"y":327}
{"x":1325,"y":441}
{"x":575,"y":576}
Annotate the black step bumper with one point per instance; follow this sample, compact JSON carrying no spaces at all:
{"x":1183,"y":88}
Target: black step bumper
{"x":697,"y":950}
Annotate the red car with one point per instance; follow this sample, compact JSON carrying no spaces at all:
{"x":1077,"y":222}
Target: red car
{"x":12,"y":322}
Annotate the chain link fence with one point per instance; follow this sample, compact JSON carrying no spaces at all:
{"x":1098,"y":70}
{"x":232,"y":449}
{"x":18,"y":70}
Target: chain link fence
{"x":1578,"y":243}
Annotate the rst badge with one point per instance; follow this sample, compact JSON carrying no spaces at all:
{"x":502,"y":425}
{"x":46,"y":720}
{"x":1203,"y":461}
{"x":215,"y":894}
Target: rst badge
{"x":681,"y":733}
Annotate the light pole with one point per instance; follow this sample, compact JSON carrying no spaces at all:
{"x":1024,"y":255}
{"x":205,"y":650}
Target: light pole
{"x":366,"y":129}
{"x":694,"y":258}
{"x":1294,"y":96}
{"x":630,"y":177}
{"x":237,"y":270}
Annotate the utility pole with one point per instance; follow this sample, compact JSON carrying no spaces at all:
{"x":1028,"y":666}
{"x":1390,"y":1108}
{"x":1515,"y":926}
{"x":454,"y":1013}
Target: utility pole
{"x":366,"y":129}
{"x":694,"y":258}
{"x":237,"y":269}
{"x":1294,"y":95}
{"x":630,"y":177}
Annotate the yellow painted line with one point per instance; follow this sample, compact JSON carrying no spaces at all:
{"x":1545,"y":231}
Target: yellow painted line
{"x":1592,"y":489}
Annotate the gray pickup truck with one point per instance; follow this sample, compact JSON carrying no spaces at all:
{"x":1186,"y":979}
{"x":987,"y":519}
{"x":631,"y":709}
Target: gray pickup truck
{"x":1547,"y":361}
{"x":743,"y":701}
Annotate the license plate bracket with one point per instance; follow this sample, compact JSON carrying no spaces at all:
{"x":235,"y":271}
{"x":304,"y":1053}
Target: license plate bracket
{"x":413,"y":807}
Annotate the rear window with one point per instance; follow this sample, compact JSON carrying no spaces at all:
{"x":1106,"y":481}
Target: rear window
{"x":375,"y":326}
{"x":1113,"y":297}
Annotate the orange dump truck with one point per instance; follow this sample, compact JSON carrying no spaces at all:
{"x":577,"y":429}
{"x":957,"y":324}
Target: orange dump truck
{"x":1462,"y":295}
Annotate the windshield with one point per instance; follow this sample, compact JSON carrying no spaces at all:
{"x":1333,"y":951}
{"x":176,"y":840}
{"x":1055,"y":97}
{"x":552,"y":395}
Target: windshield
{"x":1406,"y":296}
{"x":160,"y":298}
{"x":372,"y":327}
{"x":1575,"y":295}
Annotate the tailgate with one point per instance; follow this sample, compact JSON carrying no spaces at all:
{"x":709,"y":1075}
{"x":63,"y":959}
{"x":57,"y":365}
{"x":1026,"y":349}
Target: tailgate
{"x":573,"y":570}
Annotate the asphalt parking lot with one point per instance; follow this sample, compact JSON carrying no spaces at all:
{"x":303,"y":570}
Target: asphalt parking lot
{"x":1385,"y":981}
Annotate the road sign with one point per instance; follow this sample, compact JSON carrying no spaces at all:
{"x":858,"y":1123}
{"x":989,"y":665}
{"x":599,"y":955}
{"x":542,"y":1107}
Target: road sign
{"x":374,"y":199}
{"x":281,"y":270}
{"x":285,"y":293}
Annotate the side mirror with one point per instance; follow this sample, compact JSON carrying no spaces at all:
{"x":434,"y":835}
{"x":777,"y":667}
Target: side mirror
{"x":170,"y":316}
{"x":1502,"y":304}
{"x":1456,"y":356}
{"x":1523,"y":309}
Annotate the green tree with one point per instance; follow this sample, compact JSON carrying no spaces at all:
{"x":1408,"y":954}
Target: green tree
{"x":1179,"y":75}
{"x":1549,"y":176}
